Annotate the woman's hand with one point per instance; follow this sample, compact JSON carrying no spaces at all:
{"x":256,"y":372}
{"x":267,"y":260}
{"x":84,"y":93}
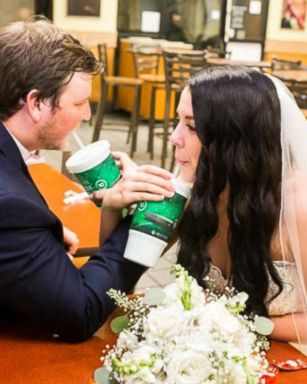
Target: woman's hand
{"x":146,"y":182}
{"x":124,"y":162}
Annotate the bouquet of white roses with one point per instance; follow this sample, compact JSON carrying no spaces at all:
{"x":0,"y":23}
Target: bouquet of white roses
{"x":184,"y":335}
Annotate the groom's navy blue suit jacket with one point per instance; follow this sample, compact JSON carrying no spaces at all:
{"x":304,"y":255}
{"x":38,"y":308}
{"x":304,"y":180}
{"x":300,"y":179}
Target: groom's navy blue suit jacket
{"x":37,"y":280}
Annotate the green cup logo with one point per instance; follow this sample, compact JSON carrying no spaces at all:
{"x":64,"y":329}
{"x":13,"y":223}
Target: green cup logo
{"x":101,"y":184}
{"x":142,"y":205}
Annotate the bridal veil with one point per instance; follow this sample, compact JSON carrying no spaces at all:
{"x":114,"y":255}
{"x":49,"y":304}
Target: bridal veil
{"x":293,"y":212}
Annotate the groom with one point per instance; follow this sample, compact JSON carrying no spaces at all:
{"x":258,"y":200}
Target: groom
{"x":45,"y":87}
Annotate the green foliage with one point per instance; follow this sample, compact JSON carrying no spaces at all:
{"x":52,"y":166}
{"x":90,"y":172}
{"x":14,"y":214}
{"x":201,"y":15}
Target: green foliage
{"x":119,"y":323}
{"x":154,"y":296}
{"x":263,"y":325}
{"x":102,"y":376}
{"x":186,"y":293}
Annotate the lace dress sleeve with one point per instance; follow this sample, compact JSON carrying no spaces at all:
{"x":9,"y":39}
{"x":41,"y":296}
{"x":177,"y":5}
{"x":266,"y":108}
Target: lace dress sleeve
{"x":288,"y":300}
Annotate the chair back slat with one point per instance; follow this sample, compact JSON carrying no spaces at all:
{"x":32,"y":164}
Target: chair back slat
{"x":146,"y":59}
{"x":102,"y":56}
{"x":179,"y":66}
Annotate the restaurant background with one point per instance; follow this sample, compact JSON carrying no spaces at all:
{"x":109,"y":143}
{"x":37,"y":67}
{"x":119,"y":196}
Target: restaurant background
{"x":192,"y":20}
{"x":249,"y":29}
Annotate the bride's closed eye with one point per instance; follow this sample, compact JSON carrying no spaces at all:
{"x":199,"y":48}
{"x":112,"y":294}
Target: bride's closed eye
{"x":189,"y":122}
{"x":191,"y":127}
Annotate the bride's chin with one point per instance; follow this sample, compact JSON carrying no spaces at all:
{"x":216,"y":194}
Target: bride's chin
{"x":186,"y":175}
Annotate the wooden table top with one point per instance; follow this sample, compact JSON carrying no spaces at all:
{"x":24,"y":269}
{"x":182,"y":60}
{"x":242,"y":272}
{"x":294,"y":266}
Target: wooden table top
{"x":27,"y":358}
{"x":245,"y":63}
{"x":82,"y":217}
{"x":298,"y":75}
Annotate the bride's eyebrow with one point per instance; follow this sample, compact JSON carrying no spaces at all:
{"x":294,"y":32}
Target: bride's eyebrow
{"x":189,"y":117}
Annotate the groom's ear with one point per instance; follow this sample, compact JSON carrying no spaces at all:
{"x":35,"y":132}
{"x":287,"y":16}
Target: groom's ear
{"x":35,"y":105}
{"x":32,"y":103}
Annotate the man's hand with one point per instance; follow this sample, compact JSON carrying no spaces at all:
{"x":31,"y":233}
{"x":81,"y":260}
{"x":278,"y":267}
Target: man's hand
{"x":71,"y":241}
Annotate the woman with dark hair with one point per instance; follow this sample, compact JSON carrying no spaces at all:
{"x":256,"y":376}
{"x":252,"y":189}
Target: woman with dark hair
{"x":238,"y":178}
{"x":242,"y":141}
{"x":233,"y":141}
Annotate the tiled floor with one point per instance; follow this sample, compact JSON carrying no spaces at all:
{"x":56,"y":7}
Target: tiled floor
{"x":116,"y":128}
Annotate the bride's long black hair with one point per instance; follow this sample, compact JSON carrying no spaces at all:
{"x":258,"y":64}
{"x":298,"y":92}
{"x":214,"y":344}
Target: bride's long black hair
{"x":237,"y":119}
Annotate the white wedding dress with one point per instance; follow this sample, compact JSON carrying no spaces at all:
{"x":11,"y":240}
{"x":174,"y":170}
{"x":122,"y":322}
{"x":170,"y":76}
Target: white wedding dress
{"x":288,"y":301}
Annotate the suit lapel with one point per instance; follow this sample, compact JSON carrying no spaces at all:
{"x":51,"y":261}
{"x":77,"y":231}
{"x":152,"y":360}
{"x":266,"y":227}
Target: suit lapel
{"x":9,"y":148}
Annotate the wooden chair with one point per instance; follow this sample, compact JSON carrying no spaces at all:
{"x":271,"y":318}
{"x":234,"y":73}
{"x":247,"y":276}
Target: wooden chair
{"x":107,"y":81}
{"x":179,"y":66}
{"x":146,"y":59}
{"x":298,"y":88}
{"x":299,"y":91}
{"x":284,"y":65}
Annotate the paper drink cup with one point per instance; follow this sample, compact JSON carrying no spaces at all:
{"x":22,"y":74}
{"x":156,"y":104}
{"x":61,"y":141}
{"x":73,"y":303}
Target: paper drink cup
{"x":94,"y":167}
{"x":153,"y":224}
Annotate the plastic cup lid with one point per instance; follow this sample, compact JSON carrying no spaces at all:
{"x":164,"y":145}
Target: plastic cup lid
{"x":88,"y":157}
{"x":143,"y":249}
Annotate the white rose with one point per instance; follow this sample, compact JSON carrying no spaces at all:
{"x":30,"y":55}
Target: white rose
{"x":243,"y":342}
{"x":127,"y":340}
{"x":195,"y":317}
{"x":240,"y":297}
{"x":174,"y":292}
{"x":197,"y":296}
{"x":217,"y":316}
{"x":144,"y":353}
{"x":238,"y":375}
{"x":144,"y":376}
{"x":172,"y":296}
{"x":201,"y":341}
{"x":188,"y":367}
{"x":163,"y":323}
{"x":238,"y":300}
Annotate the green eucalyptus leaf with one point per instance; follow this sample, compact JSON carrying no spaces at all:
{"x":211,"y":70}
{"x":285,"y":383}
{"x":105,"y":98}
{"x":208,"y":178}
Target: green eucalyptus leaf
{"x":119,"y":323}
{"x":102,"y":376}
{"x":154,"y":296}
{"x":264,"y":326}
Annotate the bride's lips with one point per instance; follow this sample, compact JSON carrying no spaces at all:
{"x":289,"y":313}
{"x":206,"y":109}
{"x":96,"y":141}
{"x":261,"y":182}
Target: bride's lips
{"x":181,"y":162}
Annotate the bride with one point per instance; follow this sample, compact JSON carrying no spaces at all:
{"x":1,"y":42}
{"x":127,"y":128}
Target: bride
{"x":242,"y":141}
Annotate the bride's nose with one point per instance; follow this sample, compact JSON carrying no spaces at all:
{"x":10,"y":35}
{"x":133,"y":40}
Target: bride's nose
{"x":176,"y":137}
